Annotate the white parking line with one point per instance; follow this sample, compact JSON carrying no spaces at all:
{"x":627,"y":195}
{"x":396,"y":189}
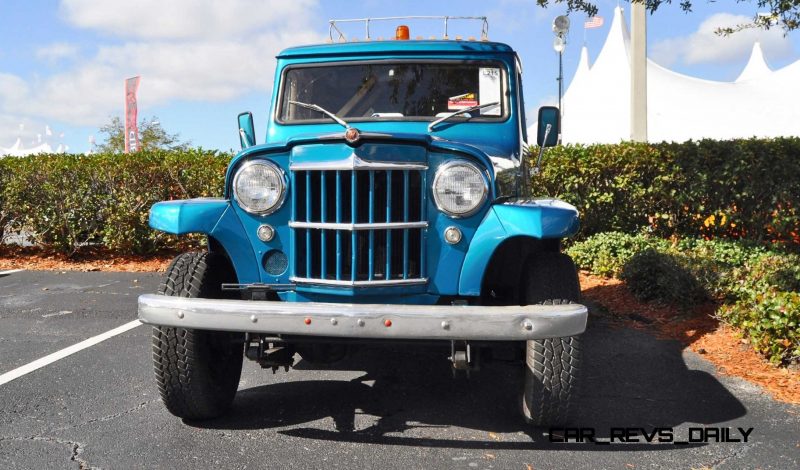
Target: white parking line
{"x":51,"y":358}
{"x":57,"y":314}
{"x":10,"y":271}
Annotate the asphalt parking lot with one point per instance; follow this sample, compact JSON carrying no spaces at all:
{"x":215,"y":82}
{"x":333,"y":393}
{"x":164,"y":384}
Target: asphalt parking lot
{"x":390,"y":407}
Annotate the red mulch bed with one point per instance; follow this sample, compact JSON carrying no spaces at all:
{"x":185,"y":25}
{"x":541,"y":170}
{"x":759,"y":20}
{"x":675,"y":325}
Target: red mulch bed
{"x":35,"y":259}
{"x":699,"y":332}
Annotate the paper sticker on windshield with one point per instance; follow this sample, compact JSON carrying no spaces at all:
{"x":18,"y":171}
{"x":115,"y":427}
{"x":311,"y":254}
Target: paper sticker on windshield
{"x":489,"y":89}
{"x":467,"y":100}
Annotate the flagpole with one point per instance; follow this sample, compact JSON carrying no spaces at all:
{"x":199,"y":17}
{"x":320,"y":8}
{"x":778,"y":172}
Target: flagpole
{"x":584,"y":31}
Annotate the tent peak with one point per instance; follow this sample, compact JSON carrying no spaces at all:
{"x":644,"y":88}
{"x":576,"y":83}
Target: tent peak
{"x":757,"y":66}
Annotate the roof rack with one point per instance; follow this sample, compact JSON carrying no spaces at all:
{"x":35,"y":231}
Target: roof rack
{"x":341,"y":37}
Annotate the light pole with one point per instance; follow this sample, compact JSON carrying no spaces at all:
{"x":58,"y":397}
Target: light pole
{"x":560,"y":28}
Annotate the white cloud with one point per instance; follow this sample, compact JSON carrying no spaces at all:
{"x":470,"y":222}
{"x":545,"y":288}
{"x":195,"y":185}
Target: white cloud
{"x":184,"y":19}
{"x":57,"y":51}
{"x":515,"y":16}
{"x":184,"y":50}
{"x":11,"y":86}
{"x":705,"y":46}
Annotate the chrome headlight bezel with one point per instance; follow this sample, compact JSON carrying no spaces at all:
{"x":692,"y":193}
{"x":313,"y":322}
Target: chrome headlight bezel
{"x":281,"y":178}
{"x":442,"y":170}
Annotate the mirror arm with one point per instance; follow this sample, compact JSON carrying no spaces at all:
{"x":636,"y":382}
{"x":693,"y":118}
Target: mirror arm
{"x":244,"y":137}
{"x":538,"y":168}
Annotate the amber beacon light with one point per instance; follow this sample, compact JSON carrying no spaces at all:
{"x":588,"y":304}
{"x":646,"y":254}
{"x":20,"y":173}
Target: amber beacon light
{"x":402,"y":33}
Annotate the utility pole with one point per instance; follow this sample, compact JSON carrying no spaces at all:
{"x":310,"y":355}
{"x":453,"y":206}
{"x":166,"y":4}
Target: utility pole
{"x":638,"y":72}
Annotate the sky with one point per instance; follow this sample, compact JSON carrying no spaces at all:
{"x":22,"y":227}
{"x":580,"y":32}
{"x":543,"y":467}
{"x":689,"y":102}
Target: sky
{"x":63,"y":62}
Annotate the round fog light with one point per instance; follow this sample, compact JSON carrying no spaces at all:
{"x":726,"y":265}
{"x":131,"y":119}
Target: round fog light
{"x":452,"y":235}
{"x":265,"y":233}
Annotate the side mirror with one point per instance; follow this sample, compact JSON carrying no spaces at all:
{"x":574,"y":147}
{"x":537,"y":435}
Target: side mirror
{"x":549,"y":127}
{"x":247,"y":132}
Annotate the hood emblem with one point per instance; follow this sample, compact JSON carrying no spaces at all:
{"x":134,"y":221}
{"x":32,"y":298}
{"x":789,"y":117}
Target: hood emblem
{"x":351,"y":135}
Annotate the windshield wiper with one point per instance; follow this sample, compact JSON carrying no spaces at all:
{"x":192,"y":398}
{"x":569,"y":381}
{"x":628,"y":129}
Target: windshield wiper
{"x":460,"y":111}
{"x":321,"y":110}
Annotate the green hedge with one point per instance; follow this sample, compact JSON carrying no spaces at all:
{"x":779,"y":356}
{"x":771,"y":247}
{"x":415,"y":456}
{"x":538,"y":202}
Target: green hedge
{"x":747,"y":188}
{"x":757,"y":288}
{"x":64,"y":202}
{"x":5,"y":175}
{"x":734,"y":189}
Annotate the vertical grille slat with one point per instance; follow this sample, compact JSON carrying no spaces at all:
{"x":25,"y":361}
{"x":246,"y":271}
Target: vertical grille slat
{"x":322,"y":217}
{"x":353,"y":219}
{"x":423,"y":216}
{"x":308,"y":219}
{"x":338,"y":232}
{"x":388,"y":272}
{"x":406,"y":203}
{"x":292,"y":234}
{"x":383,"y":210}
{"x":371,"y":220}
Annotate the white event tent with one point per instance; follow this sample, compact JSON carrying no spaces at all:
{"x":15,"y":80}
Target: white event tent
{"x":596,"y":106}
{"x":17,"y":150}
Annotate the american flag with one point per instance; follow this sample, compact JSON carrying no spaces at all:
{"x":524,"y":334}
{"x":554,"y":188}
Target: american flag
{"x":593,"y":22}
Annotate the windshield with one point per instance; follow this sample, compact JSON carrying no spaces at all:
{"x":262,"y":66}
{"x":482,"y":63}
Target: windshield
{"x":404,"y":90}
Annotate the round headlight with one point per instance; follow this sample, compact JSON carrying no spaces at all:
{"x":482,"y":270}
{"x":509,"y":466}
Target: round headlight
{"x":459,"y":189}
{"x":258,"y":187}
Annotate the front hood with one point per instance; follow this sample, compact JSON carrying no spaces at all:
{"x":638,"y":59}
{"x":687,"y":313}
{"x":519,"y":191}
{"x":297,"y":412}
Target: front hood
{"x":299,"y":146}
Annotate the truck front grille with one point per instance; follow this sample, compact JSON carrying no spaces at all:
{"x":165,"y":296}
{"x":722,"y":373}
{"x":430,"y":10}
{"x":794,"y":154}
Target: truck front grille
{"x":359,"y":227}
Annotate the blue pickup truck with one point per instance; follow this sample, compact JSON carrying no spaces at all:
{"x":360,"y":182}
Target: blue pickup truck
{"x":392,"y":200}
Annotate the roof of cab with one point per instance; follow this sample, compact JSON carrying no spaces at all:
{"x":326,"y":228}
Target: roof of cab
{"x":393,"y":46}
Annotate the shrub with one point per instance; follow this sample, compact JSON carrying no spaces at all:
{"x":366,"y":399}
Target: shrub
{"x":56,"y":200}
{"x":5,"y":175}
{"x":715,"y":263}
{"x":64,"y":202}
{"x":605,"y":254}
{"x":726,"y":253}
{"x":654,"y":276}
{"x":736,"y":189}
{"x":727,"y":269}
{"x":611,"y":185}
{"x":771,"y":322}
{"x":758,"y":288}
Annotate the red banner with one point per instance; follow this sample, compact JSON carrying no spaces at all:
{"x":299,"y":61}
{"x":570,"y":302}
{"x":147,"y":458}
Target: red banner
{"x":131,"y":115}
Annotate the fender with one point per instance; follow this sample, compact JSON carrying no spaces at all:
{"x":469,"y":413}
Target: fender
{"x":188,"y":215}
{"x":538,"y":218}
{"x":213,"y":217}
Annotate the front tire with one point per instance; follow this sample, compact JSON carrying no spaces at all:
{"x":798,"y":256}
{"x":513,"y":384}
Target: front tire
{"x":197,"y":371}
{"x":551,"y":365}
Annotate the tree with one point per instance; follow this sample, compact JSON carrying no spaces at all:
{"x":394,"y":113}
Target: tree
{"x":783,"y":13}
{"x":151,"y":136}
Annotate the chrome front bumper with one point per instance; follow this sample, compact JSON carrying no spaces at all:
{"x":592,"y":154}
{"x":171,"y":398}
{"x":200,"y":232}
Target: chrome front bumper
{"x":390,"y":321}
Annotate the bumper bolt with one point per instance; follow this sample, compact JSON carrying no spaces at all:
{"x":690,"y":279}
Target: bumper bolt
{"x":334,"y":321}
{"x":307,"y":321}
{"x":387,"y":323}
{"x":527,"y":325}
{"x":253,"y":318}
{"x":445,"y":325}
{"x":360,"y":322}
{"x":180,"y":315}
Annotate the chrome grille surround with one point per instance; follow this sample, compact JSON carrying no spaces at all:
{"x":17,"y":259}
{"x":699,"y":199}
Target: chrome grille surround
{"x":358,"y":223}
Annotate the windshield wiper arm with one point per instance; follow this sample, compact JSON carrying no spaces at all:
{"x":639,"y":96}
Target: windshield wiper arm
{"x":461,"y":111}
{"x":322,"y":110}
